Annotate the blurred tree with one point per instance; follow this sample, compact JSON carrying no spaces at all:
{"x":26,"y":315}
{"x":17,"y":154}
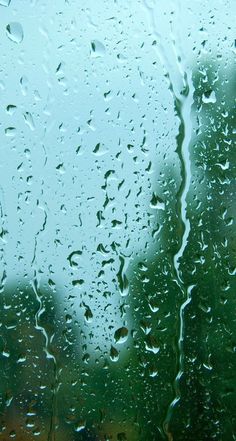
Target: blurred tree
{"x":184,"y":331}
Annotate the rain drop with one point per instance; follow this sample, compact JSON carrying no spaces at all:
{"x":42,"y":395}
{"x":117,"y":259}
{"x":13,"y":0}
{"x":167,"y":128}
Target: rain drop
{"x":121,"y":335}
{"x":97,"y":49}
{"x":5,"y":2}
{"x":15,"y":32}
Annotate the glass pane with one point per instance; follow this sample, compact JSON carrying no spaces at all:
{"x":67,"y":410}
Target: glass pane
{"x":117,"y":213}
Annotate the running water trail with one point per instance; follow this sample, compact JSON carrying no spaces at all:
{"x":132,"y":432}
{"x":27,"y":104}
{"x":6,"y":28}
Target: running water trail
{"x":180,"y":83}
{"x":3,"y":241}
{"x":42,"y":329}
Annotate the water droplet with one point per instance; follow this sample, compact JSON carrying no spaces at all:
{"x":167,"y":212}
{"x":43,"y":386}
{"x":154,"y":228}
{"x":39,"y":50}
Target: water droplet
{"x":37,"y":95}
{"x":72,"y":258}
{"x":6,"y":353}
{"x":121,"y":335}
{"x":78,"y":282}
{"x":11,"y":109}
{"x":21,"y":359}
{"x":97,"y":49}
{"x":5,"y":2}
{"x":88,"y":315}
{"x":114,"y":354}
{"x":29,"y":120}
{"x":209,"y":97}
{"x":68,"y":318}
{"x":121,"y":277}
{"x":15,"y":32}
{"x":146,"y":328}
{"x":24,"y":85}
{"x":153,"y":304}
{"x":157,"y":203}
{"x":80,"y":426}
{"x":10,"y":131}
{"x":99,"y":149}
{"x":151,"y":344}
{"x":60,"y":167}
{"x":153,"y":372}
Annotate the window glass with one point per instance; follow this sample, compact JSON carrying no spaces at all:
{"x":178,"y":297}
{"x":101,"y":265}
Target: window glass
{"x":117,"y":235}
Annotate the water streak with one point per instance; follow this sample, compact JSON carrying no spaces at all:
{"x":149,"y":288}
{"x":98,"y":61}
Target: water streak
{"x":42,"y":329}
{"x":183,"y":100}
{"x":3,"y":233}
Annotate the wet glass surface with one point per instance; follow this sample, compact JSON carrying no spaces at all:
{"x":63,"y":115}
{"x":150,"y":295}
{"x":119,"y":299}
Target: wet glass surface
{"x":117,"y":234}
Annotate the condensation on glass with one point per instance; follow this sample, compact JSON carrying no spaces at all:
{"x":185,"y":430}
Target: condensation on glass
{"x":117,"y":236}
